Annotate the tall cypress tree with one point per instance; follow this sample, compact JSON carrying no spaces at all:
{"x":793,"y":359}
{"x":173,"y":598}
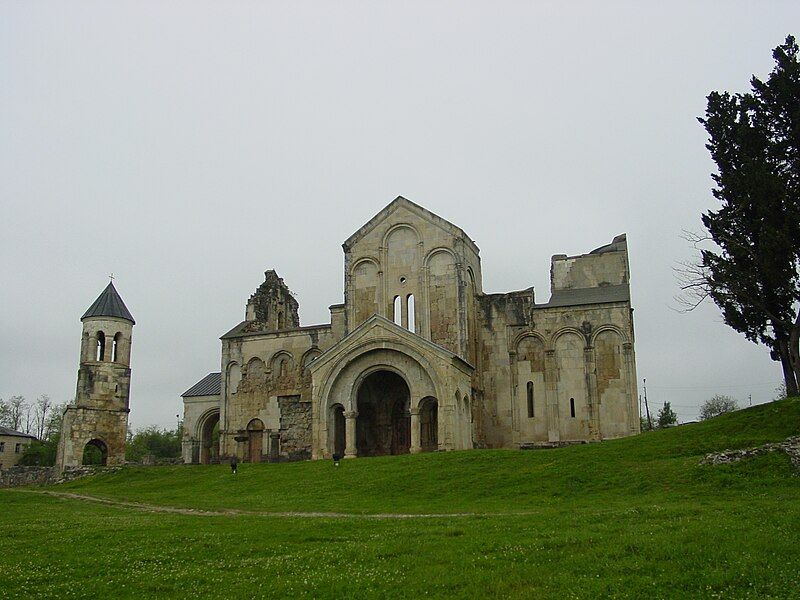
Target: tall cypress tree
{"x":753,"y":273}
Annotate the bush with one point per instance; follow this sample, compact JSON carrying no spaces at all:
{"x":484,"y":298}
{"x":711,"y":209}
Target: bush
{"x":717,"y":405}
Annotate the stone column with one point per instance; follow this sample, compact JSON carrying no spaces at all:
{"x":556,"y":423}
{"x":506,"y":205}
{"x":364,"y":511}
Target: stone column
{"x":416,"y":447}
{"x":634,"y":423}
{"x":591,"y":390}
{"x":551,"y":395}
{"x":350,"y":434}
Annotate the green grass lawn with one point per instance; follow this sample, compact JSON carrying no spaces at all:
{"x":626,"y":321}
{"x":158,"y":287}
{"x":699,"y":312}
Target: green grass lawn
{"x":637,"y":518}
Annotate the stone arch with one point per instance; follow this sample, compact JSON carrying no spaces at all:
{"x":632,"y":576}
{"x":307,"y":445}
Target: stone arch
{"x":383,"y":423}
{"x":564,"y":331}
{"x":613,"y":387}
{"x":308,"y":357}
{"x":607,"y":328}
{"x":233,"y":375}
{"x":100,"y":346}
{"x":394,"y":229}
{"x":205,"y":434}
{"x":429,"y":424}
{"x":531,"y":347}
{"x":366,"y":289}
{"x":116,"y":346}
{"x":572,"y":386}
{"x":442,"y":298}
{"x":255,"y":440}
{"x":437,"y":250}
{"x":282,"y":364}
{"x":95,"y":452}
{"x":380,"y":353}
{"x":256,"y":370}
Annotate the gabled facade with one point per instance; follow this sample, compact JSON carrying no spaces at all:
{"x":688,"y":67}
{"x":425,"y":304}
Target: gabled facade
{"x":418,"y":358}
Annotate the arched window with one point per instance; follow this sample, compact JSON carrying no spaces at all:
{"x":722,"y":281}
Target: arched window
{"x":572,"y":407}
{"x":398,"y":311}
{"x":101,"y":346}
{"x":410,"y":308}
{"x":281,"y":323}
{"x":531,"y":412}
{"x":115,"y":347}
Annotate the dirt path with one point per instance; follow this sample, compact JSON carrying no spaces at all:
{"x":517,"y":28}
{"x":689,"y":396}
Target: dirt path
{"x":154,"y":508}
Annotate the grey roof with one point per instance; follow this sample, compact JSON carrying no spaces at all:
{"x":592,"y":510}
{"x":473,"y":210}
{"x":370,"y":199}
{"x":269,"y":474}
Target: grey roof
{"x":210,"y":385}
{"x":7,"y":431}
{"x":595,"y":295}
{"x":109,"y":304}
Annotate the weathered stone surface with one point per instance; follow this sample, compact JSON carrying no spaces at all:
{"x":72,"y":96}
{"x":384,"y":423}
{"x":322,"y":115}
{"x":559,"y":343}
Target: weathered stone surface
{"x":790,"y":446}
{"x":99,"y":413}
{"x":21,"y":475}
{"x":481,"y":370}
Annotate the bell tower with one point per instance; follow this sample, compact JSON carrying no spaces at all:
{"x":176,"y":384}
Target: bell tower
{"x":96,"y":423}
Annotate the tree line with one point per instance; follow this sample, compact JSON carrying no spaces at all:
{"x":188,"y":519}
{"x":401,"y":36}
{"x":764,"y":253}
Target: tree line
{"x":42,"y":419}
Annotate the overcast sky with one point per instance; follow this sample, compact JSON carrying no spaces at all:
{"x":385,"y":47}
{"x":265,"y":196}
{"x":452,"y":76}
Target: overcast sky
{"x":189,"y":146}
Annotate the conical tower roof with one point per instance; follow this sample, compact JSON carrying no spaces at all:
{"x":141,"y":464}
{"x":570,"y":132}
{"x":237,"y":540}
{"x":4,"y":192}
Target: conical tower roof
{"x":109,"y":304}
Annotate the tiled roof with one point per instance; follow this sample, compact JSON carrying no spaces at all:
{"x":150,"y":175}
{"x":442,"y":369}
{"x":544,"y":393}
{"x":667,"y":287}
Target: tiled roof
{"x":594,"y":295}
{"x":210,"y":385}
{"x":109,"y":304}
{"x":7,"y":431}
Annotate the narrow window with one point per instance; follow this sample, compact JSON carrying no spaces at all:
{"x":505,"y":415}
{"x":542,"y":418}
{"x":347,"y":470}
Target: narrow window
{"x":530,"y":400}
{"x":2,"y":446}
{"x":101,"y":346}
{"x":281,"y":324}
{"x":18,"y":449}
{"x":572,"y":407}
{"x":115,"y":347}
{"x":410,"y":307}
{"x":398,"y":312}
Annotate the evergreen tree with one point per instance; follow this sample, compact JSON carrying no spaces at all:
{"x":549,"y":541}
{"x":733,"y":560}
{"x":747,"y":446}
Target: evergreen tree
{"x":666,"y":416}
{"x":753,"y":271}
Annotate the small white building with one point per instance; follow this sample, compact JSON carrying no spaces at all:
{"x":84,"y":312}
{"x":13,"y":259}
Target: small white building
{"x":12,"y":446}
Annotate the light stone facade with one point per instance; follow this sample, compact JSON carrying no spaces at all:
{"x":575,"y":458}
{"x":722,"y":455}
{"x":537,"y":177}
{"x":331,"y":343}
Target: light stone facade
{"x":12,"y":446}
{"x":419,"y":358}
{"x":98,"y":416}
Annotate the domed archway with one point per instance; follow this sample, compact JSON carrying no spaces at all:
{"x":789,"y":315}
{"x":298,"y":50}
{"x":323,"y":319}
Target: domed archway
{"x":383,"y":425}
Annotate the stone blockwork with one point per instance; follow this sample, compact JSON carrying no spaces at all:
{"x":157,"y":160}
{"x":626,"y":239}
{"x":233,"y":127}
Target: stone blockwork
{"x":20,"y":476}
{"x":477,"y":369}
{"x":790,"y":446}
{"x":99,"y":414}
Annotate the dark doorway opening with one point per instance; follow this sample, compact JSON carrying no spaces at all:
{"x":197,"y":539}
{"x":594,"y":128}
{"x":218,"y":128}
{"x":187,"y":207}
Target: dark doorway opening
{"x":209,"y":440}
{"x":384,"y":422}
{"x":339,"y":439}
{"x":95,"y":452}
{"x":429,"y":425}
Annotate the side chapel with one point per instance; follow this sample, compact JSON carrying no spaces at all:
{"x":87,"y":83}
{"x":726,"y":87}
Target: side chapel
{"x":418,"y":358}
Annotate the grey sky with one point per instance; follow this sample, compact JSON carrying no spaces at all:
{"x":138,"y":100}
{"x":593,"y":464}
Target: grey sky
{"x":190,"y":146}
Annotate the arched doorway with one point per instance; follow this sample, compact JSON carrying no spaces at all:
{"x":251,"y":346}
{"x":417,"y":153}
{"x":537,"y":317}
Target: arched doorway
{"x":95,"y":452}
{"x":429,"y":425}
{"x":255,"y":440}
{"x":384,"y":422}
{"x":339,"y":439}
{"x":209,"y":439}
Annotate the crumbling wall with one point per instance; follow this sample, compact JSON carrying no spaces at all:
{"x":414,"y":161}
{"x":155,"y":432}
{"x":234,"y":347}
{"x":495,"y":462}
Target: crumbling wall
{"x":295,"y":430}
{"x":272,"y":307}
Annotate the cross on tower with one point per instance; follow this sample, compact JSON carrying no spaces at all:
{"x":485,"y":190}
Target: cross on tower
{"x":111,"y":277}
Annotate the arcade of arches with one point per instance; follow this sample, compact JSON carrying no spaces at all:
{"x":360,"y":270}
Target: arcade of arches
{"x":417,"y":357}
{"x":383,"y":422}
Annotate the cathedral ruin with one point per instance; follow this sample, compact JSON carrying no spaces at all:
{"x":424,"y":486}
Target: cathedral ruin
{"x":418,"y":358}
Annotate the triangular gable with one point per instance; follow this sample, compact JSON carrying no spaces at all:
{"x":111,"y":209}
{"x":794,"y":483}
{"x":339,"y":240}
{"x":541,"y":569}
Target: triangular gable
{"x":416,"y":209}
{"x":400,"y":333}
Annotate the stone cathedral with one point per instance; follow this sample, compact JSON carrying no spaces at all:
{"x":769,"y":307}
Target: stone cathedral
{"x":418,"y":358}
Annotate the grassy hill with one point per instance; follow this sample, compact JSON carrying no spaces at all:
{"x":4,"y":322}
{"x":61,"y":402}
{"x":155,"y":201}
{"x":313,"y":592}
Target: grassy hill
{"x":637,"y":517}
{"x":652,"y":466}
